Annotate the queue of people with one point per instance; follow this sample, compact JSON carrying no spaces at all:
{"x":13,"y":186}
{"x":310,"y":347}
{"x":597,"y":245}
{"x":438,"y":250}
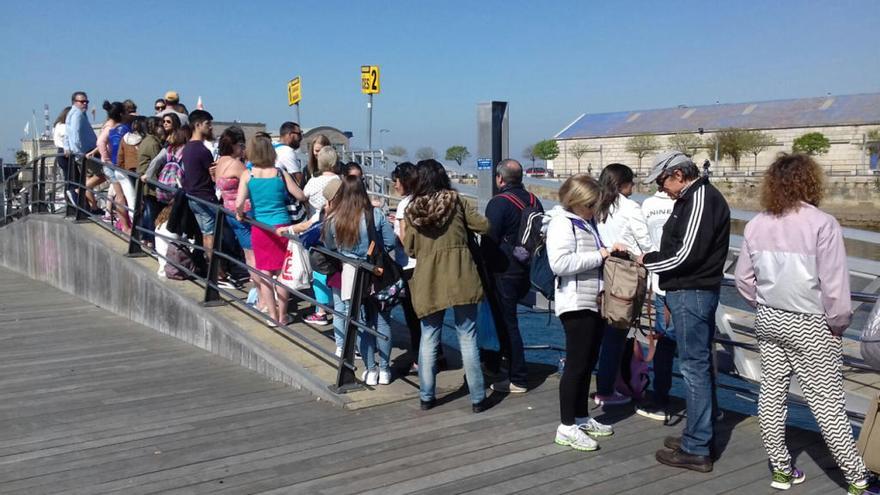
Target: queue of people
{"x":798,"y":283}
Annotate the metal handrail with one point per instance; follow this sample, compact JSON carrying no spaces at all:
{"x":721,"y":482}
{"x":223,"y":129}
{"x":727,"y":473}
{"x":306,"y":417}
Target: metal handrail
{"x":345,"y":368}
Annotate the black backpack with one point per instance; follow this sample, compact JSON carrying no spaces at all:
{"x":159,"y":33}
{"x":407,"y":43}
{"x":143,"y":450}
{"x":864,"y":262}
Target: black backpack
{"x":529,"y":237}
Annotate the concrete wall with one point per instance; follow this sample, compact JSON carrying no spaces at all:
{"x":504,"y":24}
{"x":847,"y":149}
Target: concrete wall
{"x":79,"y":260}
{"x":846,"y":153}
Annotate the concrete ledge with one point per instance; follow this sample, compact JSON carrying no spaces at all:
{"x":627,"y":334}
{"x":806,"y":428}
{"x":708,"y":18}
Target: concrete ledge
{"x":86,"y":261}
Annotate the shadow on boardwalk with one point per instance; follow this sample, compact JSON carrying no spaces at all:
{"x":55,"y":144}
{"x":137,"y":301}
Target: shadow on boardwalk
{"x":92,"y":403}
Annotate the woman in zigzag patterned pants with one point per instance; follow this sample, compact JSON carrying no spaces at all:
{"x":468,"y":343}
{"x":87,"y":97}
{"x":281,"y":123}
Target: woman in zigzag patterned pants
{"x":792,"y":268}
{"x":802,"y":344}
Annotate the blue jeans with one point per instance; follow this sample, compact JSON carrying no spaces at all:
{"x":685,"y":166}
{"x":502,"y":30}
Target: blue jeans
{"x":381,"y":322}
{"x":693,"y":314}
{"x":665,"y":352}
{"x":613,"y":343}
{"x":339,"y":306}
{"x":466,"y":327}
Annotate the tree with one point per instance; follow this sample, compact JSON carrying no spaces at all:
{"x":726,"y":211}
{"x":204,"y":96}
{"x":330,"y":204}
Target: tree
{"x":756,"y":142}
{"x":458,"y":153}
{"x":529,"y":154}
{"x":426,"y":153}
{"x":685,"y":142}
{"x":21,"y":157}
{"x":730,"y":142}
{"x":873,"y":138}
{"x":578,"y":151}
{"x":547,"y":149}
{"x":642,"y":145}
{"x":811,"y":143}
{"x":397,"y":151}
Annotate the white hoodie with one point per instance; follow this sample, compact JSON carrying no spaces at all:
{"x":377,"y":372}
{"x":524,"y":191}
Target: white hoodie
{"x":573,"y":251}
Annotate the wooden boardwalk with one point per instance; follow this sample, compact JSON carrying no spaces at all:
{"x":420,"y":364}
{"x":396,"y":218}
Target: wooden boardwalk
{"x":92,"y":403}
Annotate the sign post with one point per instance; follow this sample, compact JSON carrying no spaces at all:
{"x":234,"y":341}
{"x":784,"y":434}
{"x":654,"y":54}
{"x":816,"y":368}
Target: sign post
{"x":294,"y":95}
{"x":492,"y":147}
{"x":370,"y":86}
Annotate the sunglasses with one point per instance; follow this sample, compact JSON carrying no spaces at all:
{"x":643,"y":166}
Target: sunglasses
{"x":167,"y":122}
{"x":160,"y":107}
{"x":82,"y":101}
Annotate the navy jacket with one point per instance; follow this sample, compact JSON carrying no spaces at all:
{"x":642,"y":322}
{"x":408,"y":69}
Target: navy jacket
{"x":504,"y":219}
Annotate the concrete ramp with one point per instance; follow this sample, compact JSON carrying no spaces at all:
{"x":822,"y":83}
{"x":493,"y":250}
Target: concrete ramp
{"x":86,"y":260}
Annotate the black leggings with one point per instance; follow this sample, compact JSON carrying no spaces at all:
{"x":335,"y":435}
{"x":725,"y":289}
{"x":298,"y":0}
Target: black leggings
{"x":583,"y":337}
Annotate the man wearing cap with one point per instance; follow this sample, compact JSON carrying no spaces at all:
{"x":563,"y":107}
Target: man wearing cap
{"x":171,"y":99}
{"x":690,"y":265}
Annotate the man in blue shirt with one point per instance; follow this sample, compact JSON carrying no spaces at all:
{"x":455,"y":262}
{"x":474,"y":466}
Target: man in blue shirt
{"x":79,"y":138}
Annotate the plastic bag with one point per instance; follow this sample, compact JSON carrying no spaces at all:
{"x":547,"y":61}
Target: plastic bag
{"x":296,"y":272}
{"x":871,"y":338}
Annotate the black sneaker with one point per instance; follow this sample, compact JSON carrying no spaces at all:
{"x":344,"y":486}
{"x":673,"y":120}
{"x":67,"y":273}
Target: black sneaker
{"x":652,"y":411}
{"x":680,"y":459}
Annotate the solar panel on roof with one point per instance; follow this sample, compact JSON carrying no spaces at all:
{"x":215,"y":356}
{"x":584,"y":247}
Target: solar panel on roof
{"x":861,"y":109}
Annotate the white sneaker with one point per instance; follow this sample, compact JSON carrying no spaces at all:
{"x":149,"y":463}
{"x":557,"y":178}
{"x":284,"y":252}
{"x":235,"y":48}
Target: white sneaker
{"x":384,"y":377}
{"x":371,"y":377}
{"x":575,"y":438}
{"x":508,"y":388}
{"x":594,"y":428}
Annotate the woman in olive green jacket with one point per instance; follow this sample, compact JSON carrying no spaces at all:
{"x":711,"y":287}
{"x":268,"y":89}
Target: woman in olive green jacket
{"x":445,"y":275}
{"x":150,"y":146}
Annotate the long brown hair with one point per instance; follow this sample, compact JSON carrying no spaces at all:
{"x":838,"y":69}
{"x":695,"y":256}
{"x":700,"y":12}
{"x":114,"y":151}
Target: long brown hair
{"x":313,"y":157}
{"x":349,"y":206}
{"x":789,"y":180}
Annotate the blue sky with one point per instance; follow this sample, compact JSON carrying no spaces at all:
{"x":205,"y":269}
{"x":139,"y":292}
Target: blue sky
{"x":551,"y":61}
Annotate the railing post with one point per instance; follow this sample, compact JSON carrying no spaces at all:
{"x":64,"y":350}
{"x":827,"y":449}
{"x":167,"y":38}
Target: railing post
{"x":81,"y":215}
{"x":135,"y":249}
{"x":69,"y":166}
{"x":43,"y":201}
{"x":345,"y":376}
{"x":212,"y":295}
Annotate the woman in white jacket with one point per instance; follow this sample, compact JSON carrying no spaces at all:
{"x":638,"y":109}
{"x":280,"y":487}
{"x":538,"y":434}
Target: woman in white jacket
{"x":622,"y":222}
{"x":576,"y":254}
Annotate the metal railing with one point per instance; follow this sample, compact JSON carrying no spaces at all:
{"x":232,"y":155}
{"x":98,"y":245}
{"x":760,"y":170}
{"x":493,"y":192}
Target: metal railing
{"x":36,"y":199}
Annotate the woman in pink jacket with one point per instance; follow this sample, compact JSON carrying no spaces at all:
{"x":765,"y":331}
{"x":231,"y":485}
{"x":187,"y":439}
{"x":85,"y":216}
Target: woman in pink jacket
{"x":792,"y":268}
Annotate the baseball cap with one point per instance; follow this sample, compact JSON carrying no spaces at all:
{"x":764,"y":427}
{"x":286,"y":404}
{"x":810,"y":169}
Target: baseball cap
{"x":668,"y":160}
{"x":331,"y":189}
{"x":172,"y":97}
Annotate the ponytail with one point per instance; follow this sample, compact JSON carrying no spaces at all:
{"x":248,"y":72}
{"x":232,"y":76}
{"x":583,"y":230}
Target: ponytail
{"x":611,"y":180}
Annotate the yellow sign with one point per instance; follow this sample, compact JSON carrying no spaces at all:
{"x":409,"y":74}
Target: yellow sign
{"x":294,"y":91}
{"x":370,"y":79}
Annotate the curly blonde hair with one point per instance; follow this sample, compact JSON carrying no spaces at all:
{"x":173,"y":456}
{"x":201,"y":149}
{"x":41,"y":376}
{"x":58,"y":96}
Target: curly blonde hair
{"x":792,"y":178}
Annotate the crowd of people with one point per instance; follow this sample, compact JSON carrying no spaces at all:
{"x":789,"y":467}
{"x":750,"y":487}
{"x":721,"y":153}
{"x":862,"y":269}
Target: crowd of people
{"x":797,"y":282}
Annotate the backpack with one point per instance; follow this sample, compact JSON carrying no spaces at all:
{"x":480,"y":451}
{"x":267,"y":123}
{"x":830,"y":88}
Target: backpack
{"x":171,"y":175}
{"x":626,"y":285}
{"x":387,"y":287}
{"x":541,"y":276}
{"x":529,"y":236}
{"x":114,"y":138}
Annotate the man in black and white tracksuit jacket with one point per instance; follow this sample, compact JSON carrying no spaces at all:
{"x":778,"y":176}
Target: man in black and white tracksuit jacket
{"x":690,"y":264}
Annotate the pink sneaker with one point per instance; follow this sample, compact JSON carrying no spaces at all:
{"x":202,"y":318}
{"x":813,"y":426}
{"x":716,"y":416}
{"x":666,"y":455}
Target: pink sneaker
{"x":317,"y":319}
{"x":615,"y":399}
